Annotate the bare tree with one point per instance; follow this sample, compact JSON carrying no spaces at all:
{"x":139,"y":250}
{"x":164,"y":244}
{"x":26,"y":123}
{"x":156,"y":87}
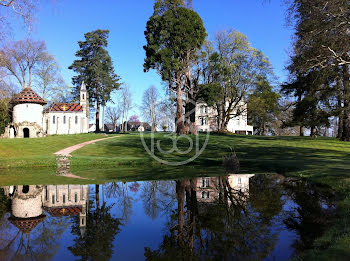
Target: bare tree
{"x":48,"y":76}
{"x":21,"y":58}
{"x":167,"y":111}
{"x":21,"y":8}
{"x":126,"y":103}
{"x":113,"y":114}
{"x":150,"y":106}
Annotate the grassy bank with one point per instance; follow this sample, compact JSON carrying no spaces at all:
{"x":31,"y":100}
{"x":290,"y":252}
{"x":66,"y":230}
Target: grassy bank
{"x":321,"y":160}
{"x":38,"y":152}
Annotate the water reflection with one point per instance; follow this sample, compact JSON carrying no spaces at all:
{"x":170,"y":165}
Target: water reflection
{"x":237,"y":216}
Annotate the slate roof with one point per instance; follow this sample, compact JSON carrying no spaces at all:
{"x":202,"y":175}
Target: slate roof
{"x":64,"y":211}
{"x":26,"y":225}
{"x":27,"y":95}
{"x":66,"y":107}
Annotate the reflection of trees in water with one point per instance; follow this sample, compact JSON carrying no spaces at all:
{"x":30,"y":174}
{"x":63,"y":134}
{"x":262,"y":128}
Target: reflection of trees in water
{"x":120,"y":192}
{"x":230,"y":226}
{"x":313,"y":213}
{"x":157,"y":197}
{"x":101,"y":228}
{"x":40,"y":244}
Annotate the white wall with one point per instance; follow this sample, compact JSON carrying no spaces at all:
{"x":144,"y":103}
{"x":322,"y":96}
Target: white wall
{"x":65,"y":127}
{"x":239,"y":123}
{"x":57,"y":191}
{"x":29,"y":112}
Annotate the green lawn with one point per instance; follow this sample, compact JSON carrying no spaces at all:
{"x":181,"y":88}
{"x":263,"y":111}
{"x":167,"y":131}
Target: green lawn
{"x":322,"y":160}
{"x":28,"y":153}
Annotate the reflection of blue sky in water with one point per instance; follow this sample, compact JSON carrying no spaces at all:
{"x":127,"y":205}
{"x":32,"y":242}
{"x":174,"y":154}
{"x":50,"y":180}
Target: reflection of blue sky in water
{"x":144,"y":212}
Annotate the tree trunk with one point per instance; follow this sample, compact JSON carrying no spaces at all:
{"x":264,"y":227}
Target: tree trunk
{"x":29,"y":78}
{"x":264,"y":129}
{"x":301,"y":131}
{"x":340,"y":109}
{"x":180,"y":193}
{"x":97,"y":195}
{"x":103,"y":118}
{"x":98,"y":109}
{"x":180,"y":127}
{"x":313,"y":132}
{"x":346,"y":120}
{"x":190,"y":112}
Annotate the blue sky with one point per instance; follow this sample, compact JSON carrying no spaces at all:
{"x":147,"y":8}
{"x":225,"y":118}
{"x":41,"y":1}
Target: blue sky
{"x":63,"y":24}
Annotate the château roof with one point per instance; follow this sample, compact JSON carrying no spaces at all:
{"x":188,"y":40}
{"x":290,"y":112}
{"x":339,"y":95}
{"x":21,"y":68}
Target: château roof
{"x":26,"y":225}
{"x":27,"y":95}
{"x":66,"y":107}
{"x":64,"y":211}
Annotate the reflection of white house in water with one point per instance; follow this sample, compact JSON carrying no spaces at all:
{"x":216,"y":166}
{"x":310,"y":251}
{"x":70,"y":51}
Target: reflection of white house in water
{"x":28,"y":203}
{"x":67,"y":200}
{"x":208,"y":188}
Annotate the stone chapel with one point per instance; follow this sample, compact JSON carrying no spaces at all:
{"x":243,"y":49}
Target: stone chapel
{"x":30,"y":119}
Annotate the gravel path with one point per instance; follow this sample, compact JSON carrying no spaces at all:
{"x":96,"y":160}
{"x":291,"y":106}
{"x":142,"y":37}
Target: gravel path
{"x":67,"y":151}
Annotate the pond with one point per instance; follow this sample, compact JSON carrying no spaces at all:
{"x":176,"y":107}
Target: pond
{"x":236,"y":217}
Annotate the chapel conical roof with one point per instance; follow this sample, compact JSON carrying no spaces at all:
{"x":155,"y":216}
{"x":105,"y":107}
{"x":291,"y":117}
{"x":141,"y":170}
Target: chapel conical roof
{"x":26,"y":225}
{"x":27,"y":95}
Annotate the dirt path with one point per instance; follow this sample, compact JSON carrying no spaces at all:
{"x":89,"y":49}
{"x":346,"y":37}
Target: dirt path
{"x":67,"y":151}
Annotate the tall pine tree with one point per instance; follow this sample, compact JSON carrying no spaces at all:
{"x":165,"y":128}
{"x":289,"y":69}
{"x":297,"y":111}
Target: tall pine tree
{"x":96,"y":69}
{"x":173,"y":34}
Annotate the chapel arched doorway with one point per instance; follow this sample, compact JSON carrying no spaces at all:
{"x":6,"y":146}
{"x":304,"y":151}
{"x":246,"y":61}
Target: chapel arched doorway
{"x":25,"y":133}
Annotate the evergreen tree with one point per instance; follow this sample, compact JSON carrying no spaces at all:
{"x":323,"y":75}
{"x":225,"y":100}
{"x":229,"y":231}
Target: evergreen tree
{"x":312,"y":109}
{"x":174,"y":34}
{"x":322,"y":28}
{"x":96,"y":69}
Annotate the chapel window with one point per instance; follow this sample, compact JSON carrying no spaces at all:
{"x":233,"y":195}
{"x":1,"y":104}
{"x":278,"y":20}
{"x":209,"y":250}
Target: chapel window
{"x":64,"y":198}
{"x":76,"y":119}
{"x":25,"y":189}
{"x":53,"y":199}
{"x":76,"y":197}
{"x":64,"y":119}
{"x":54,"y":119}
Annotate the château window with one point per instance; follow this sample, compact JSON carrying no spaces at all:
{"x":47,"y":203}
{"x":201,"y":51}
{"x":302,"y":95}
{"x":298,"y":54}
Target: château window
{"x":54,"y":119}
{"x":53,"y":199}
{"x":205,"y":194}
{"x":83,"y":96}
{"x":76,"y":197}
{"x":64,"y":119}
{"x":76,"y":119}
{"x":204,"y":182}
{"x":64,"y":198}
